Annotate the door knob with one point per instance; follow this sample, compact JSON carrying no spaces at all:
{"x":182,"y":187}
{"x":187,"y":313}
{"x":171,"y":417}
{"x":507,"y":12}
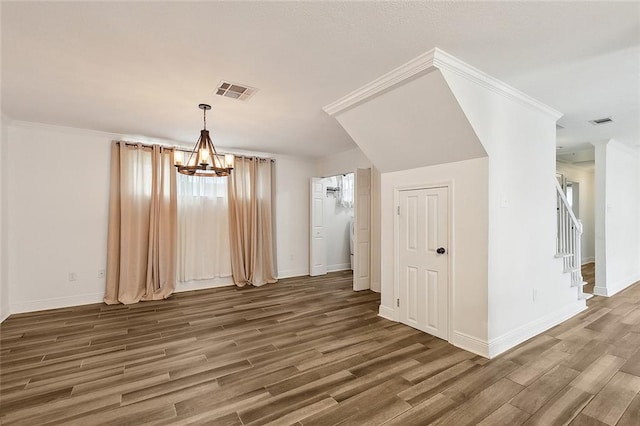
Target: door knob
{"x":440,"y":250}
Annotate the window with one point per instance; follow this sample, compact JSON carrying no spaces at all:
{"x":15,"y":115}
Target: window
{"x":203,"y":228}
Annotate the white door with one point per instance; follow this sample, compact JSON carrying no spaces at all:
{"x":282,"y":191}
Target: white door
{"x":318,"y":246}
{"x":423,"y":253}
{"x":362,"y":229}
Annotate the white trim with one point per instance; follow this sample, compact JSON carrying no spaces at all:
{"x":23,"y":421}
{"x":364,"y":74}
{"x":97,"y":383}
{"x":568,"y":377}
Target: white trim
{"x":387,"y":313}
{"x":55,"y":303}
{"x":443,"y":60}
{"x":587,"y":260}
{"x":99,"y":133}
{"x":77,"y":131}
{"x":470,"y":343}
{"x":430,"y":61}
{"x":449,"y":184}
{"x":631,"y":150}
{"x":182,"y":286}
{"x":402,"y":73}
{"x":616,"y":288}
{"x":524,"y":332}
{"x":339,"y":267}
{"x":600,"y":291}
{"x":5,"y":315}
{"x":290,"y":273}
{"x":570,"y":167}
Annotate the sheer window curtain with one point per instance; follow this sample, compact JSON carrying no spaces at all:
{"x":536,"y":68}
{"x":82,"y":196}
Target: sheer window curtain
{"x":141,"y":248}
{"x":250,"y":222}
{"x":203,"y":228}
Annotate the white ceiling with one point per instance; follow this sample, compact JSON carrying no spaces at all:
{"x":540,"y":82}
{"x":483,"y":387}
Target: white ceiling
{"x":142,"y":68}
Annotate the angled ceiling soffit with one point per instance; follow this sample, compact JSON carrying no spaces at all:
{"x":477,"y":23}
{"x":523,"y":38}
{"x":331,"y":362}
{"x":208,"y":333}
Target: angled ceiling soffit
{"x":427,"y":62}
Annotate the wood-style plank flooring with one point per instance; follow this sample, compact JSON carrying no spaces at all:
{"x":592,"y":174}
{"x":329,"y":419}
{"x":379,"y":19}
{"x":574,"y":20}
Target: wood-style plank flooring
{"x":308,"y":351}
{"x":589,"y":276}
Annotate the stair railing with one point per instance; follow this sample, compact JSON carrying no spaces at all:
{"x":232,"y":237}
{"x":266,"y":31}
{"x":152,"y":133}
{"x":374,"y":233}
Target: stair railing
{"x":569,"y":239}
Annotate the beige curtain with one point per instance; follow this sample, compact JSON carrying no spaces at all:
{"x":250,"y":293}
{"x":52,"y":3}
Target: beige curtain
{"x":250,"y":222}
{"x":141,"y":249}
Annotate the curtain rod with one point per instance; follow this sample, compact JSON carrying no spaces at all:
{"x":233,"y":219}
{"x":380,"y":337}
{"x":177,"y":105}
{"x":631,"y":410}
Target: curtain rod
{"x":179,"y":148}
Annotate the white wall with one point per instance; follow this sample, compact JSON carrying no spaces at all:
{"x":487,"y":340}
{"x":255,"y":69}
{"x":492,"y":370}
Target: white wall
{"x":347,"y":162}
{"x":58,"y":215}
{"x":292,"y":215}
{"x":4,"y":252}
{"x":468,"y":250}
{"x":457,"y":113}
{"x":528,"y":292}
{"x":617,"y":217}
{"x":600,"y":218}
{"x":4,"y":283}
{"x":415,"y":124}
{"x":342,"y":162}
{"x":586,"y":205}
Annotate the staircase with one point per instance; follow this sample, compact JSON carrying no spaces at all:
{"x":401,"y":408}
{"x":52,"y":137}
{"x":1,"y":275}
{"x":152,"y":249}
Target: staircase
{"x":568,"y":242}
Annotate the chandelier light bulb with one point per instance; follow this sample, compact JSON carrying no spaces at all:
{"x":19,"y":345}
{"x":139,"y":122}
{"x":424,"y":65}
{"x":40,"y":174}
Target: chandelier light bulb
{"x":204,"y":160}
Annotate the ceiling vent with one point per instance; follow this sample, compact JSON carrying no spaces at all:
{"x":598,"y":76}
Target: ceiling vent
{"x":234,"y":90}
{"x":600,"y":121}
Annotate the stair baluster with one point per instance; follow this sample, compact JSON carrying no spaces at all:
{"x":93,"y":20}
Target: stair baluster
{"x":569,"y":239}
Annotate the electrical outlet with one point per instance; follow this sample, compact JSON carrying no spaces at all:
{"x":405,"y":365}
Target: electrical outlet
{"x":101,"y":273}
{"x":73,"y":276}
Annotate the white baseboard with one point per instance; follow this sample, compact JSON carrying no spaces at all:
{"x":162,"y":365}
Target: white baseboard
{"x":290,"y":273}
{"x":55,"y":303}
{"x":203,"y":284}
{"x":386,"y":313}
{"x":615,"y":288}
{"x":4,"y":313}
{"x":533,"y":328}
{"x":470,"y":343}
{"x":508,"y":340}
{"x":338,"y":267}
{"x":600,"y":291}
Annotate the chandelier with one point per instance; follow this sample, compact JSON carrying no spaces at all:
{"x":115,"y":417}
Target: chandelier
{"x":204,"y":160}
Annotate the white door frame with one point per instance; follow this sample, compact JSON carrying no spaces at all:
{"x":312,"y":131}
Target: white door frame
{"x":355,"y":190}
{"x":317,"y":235}
{"x":361,"y":283}
{"x":450,"y":250}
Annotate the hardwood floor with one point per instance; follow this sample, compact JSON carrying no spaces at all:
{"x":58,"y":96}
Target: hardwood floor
{"x":308,"y":351}
{"x":589,"y":275}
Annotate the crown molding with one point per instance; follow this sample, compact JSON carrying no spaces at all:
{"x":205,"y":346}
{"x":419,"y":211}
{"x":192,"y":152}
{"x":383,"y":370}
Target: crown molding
{"x":142,"y":139}
{"x":625,"y":147}
{"x":97,"y":133}
{"x":573,"y":168}
{"x":445,"y":61}
{"x":404,"y":72}
{"x":427,"y":62}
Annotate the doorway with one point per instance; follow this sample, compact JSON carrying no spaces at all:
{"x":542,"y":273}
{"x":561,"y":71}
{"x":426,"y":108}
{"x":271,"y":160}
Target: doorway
{"x":422,"y":253}
{"x":332,"y":217}
{"x":340,"y":221}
